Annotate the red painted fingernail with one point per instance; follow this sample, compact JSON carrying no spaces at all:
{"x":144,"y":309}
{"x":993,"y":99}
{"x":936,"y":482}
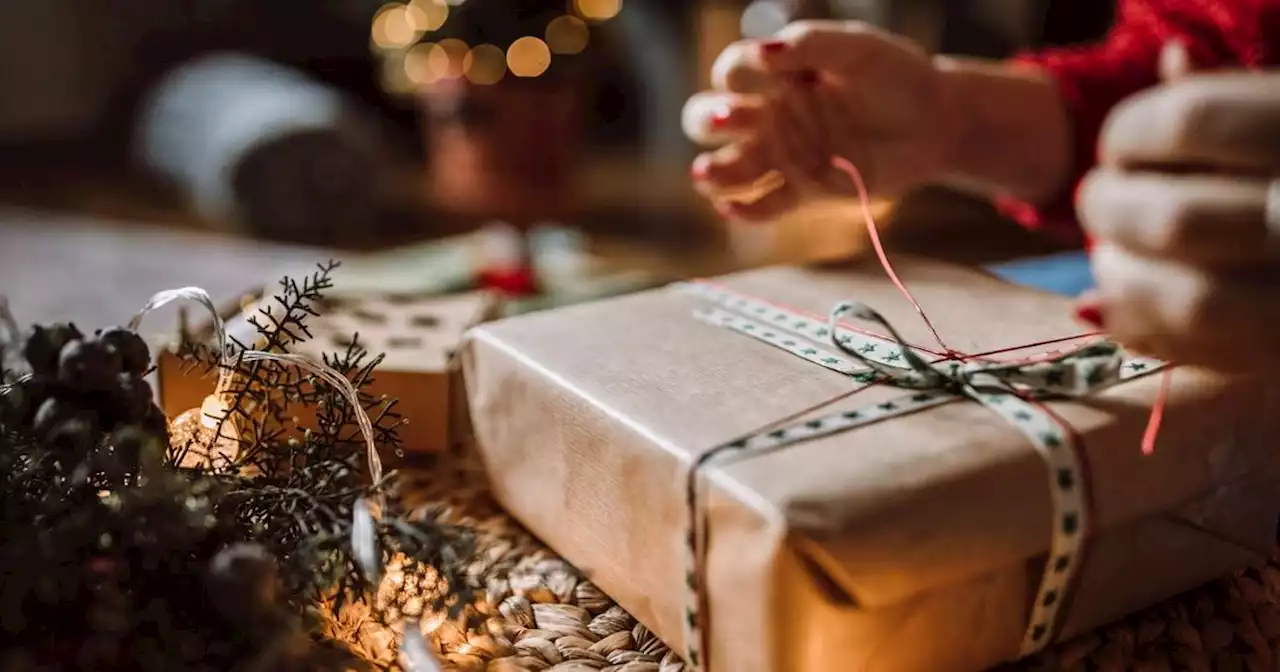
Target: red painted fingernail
{"x":698,"y":170}
{"x":517,"y":281}
{"x":773,"y":46}
{"x":721,"y":117}
{"x":727,"y":209}
{"x":807,"y":77}
{"x":1091,"y":314}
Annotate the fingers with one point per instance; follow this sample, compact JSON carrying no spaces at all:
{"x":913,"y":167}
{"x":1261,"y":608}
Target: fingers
{"x":1205,"y":219}
{"x":740,"y":68}
{"x":1184,"y":313}
{"x":759,"y":66}
{"x":742,"y":171}
{"x":816,"y":45}
{"x":1175,"y":61}
{"x":715,"y":118}
{"x":797,"y":137}
{"x":741,"y":180}
{"x":1185,"y":266}
{"x":1221,"y":120}
{"x":772,"y":205}
{"x":729,"y":168}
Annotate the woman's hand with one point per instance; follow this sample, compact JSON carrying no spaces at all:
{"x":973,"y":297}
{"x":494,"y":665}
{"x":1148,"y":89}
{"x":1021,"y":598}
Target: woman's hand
{"x":786,"y":105}
{"x":1184,"y":209}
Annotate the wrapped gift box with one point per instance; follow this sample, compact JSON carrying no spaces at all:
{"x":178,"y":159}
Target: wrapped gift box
{"x":417,"y":335}
{"x":915,"y":543}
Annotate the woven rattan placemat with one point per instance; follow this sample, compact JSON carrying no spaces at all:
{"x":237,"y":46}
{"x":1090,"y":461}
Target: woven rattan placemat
{"x":541,"y":614}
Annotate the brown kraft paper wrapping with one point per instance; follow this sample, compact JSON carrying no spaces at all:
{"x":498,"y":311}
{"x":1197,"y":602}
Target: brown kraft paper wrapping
{"x":911,"y":544}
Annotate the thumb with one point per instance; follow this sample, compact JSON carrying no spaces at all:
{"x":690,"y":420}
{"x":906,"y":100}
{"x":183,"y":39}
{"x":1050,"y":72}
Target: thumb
{"x":1175,"y":61}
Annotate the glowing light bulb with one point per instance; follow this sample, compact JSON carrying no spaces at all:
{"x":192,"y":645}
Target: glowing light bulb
{"x":209,"y":435}
{"x":597,"y":10}
{"x":396,"y":26}
{"x":418,"y":19}
{"x":417,"y":63}
{"x":395,"y":77}
{"x":484,"y":64}
{"x":568,"y":35}
{"x":528,"y":57}
{"x":445,"y":60}
{"x":436,"y":12}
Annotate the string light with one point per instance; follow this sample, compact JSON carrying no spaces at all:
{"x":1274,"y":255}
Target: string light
{"x":447,"y":58}
{"x":568,"y":35}
{"x":484,"y":64}
{"x":417,"y":63}
{"x":528,"y":57}
{"x":434,"y":13}
{"x":417,"y":18}
{"x":395,"y":26}
{"x":395,"y":76}
{"x":597,"y":10}
{"x":210,"y":436}
{"x":407,"y":64}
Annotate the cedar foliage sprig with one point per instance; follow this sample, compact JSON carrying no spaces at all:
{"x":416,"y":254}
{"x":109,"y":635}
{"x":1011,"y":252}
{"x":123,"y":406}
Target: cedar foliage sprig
{"x":115,"y":557}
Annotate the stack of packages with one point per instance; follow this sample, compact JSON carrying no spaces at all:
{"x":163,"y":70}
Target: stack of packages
{"x":770,"y":489}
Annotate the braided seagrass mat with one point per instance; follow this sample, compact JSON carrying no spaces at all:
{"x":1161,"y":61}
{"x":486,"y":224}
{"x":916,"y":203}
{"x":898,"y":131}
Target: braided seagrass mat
{"x":540,"y":613}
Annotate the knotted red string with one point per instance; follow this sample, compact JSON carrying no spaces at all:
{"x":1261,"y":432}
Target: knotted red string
{"x":845,"y":166}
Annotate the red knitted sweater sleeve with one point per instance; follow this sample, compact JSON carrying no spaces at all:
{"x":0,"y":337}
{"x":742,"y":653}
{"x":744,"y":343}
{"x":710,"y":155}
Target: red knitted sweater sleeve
{"x":1093,"y":79}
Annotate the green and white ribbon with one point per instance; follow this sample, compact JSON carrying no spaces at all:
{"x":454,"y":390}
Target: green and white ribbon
{"x":1009,"y":389}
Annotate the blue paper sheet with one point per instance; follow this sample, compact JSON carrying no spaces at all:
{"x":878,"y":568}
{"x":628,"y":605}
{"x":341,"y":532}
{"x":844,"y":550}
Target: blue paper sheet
{"x":1066,"y":273}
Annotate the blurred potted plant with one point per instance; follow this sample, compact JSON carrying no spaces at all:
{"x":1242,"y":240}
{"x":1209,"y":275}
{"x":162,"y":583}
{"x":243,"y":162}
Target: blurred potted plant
{"x":498,"y":84}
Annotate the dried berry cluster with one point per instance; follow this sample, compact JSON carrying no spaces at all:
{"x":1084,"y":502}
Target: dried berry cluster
{"x":78,"y":389}
{"x":115,"y":557}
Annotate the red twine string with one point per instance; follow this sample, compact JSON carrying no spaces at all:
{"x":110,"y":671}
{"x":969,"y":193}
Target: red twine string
{"x":845,"y":166}
{"x":864,"y":199}
{"x":1150,"y":436}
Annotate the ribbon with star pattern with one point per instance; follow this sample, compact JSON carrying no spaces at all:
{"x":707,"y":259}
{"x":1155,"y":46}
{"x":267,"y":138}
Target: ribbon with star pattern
{"x":1010,"y":389}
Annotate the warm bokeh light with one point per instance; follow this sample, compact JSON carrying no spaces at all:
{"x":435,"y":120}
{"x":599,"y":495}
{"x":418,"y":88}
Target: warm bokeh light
{"x":395,"y":79}
{"x":445,"y":59}
{"x":434,"y":13}
{"x":597,"y":10}
{"x":484,"y":64}
{"x":394,"y":27}
{"x":417,"y":18}
{"x":568,"y":35}
{"x":417,"y":64}
{"x":528,"y":57}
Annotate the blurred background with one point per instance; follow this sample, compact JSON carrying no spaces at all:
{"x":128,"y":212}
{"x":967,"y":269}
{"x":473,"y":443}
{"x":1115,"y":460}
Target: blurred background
{"x":358,"y":124}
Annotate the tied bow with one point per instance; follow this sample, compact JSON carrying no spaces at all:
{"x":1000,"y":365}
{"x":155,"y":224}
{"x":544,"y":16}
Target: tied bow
{"x":1010,"y":389}
{"x":1075,"y":373}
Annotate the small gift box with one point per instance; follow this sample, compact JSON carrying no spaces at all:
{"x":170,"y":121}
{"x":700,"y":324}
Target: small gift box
{"x":769,"y":484}
{"x":417,"y":335}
